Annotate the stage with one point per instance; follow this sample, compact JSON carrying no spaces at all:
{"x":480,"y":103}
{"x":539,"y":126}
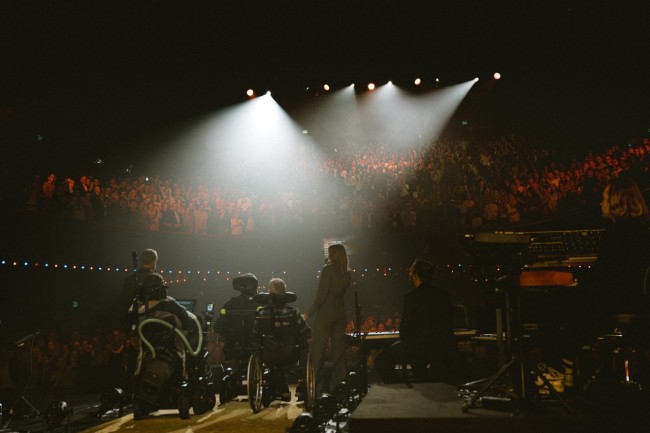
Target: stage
{"x":232,"y":417}
{"x":398,"y":408}
{"x":424,"y":407}
{"x":436,"y":408}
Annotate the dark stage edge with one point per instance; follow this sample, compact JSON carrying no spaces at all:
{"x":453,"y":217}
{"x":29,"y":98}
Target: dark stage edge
{"x":436,"y":407}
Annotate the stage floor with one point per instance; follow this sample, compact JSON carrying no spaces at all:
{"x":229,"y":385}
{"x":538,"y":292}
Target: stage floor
{"x":232,"y":417}
{"x":422,"y":408}
{"x":436,"y":407}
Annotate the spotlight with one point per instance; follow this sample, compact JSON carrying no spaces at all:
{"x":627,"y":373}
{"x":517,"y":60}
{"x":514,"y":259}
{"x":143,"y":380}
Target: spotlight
{"x":304,"y":423}
{"x":250,"y":93}
{"x":353,"y":382}
{"x":354,"y":390}
{"x":110,"y":401}
{"x":418,"y":81}
{"x":475,"y":79}
{"x":371,"y":86}
{"x":497,"y":76}
{"x":324,"y":408}
{"x":55,"y":413}
{"x":341,"y":393}
{"x":326,"y":87}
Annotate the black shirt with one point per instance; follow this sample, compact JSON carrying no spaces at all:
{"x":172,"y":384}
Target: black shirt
{"x":619,"y":271}
{"x":427,"y":319}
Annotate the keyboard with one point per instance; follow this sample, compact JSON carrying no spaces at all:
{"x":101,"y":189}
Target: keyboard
{"x":566,"y":245}
{"x":559,"y":246}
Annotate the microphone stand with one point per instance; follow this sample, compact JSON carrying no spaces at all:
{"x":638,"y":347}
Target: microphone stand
{"x":359,"y":337}
{"x":133,"y":317}
{"x":12,"y":410}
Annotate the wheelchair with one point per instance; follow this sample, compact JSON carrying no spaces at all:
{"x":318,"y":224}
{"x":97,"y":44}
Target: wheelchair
{"x":281,"y":351}
{"x":240,"y":344}
{"x":166,"y":378}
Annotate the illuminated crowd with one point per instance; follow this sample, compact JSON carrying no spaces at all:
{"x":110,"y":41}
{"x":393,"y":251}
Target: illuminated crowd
{"x":504,"y":180}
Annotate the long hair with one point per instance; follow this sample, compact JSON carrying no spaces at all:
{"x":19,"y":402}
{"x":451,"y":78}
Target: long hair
{"x":337,"y":255}
{"x":624,"y":200}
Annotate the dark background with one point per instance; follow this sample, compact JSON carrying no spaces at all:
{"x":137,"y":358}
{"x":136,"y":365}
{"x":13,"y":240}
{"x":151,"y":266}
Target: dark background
{"x":97,"y":77}
{"x":79,"y":79}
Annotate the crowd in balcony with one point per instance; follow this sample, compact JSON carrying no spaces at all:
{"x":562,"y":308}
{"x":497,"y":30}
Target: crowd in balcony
{"x":460,"y":183}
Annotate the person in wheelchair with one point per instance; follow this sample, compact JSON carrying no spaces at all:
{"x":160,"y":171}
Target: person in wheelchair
{"x":235,"y":321}
{"x":164,"y":332}
{"x":152,"y":301}
{"x":284,"y":336}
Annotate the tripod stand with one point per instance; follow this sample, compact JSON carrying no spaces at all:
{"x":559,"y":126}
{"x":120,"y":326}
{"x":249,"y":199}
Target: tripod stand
{"x":523,"y":376}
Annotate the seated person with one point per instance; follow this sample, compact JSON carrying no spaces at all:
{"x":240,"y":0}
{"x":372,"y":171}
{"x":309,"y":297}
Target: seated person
{"x":426,"y":335}
{"x":235,"y":321}
{"x":153,"y":302}
{"x":283,"y":331}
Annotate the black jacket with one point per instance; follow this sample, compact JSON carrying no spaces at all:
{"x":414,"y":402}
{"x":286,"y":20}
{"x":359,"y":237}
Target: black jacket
{"x":619,"y":272}
{"x":426,"y":323}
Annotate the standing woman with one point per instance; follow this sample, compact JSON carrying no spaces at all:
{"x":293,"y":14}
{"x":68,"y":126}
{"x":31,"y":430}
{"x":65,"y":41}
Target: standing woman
{"x":624,"y":256}
{"x":330,"y":322}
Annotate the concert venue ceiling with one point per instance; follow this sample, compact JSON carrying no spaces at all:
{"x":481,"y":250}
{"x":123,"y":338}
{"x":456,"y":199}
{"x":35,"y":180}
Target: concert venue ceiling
{"x":102,"y":72}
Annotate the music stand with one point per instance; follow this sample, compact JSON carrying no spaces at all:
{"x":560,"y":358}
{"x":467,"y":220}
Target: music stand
{"x":509,"y":250}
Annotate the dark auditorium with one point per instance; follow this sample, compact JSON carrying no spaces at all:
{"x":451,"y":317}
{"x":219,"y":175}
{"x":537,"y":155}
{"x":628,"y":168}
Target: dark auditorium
{"x":324,"y":216}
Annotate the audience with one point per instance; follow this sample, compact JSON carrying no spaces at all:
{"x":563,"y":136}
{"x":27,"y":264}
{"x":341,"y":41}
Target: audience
{"x":501,"y":181}
{"x":504,"y":180}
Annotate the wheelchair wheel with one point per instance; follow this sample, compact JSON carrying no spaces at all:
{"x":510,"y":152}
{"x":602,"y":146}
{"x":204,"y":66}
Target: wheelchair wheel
{"x":255,"y":382}
{"x":184,"y":405}
{"x":138,"y":409}
{"x":202,"y":399}
{"x":310,"y":382}
{"x":225,"y":389}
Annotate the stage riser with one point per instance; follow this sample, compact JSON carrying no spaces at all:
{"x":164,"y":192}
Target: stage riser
{"x":435,"y":407}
